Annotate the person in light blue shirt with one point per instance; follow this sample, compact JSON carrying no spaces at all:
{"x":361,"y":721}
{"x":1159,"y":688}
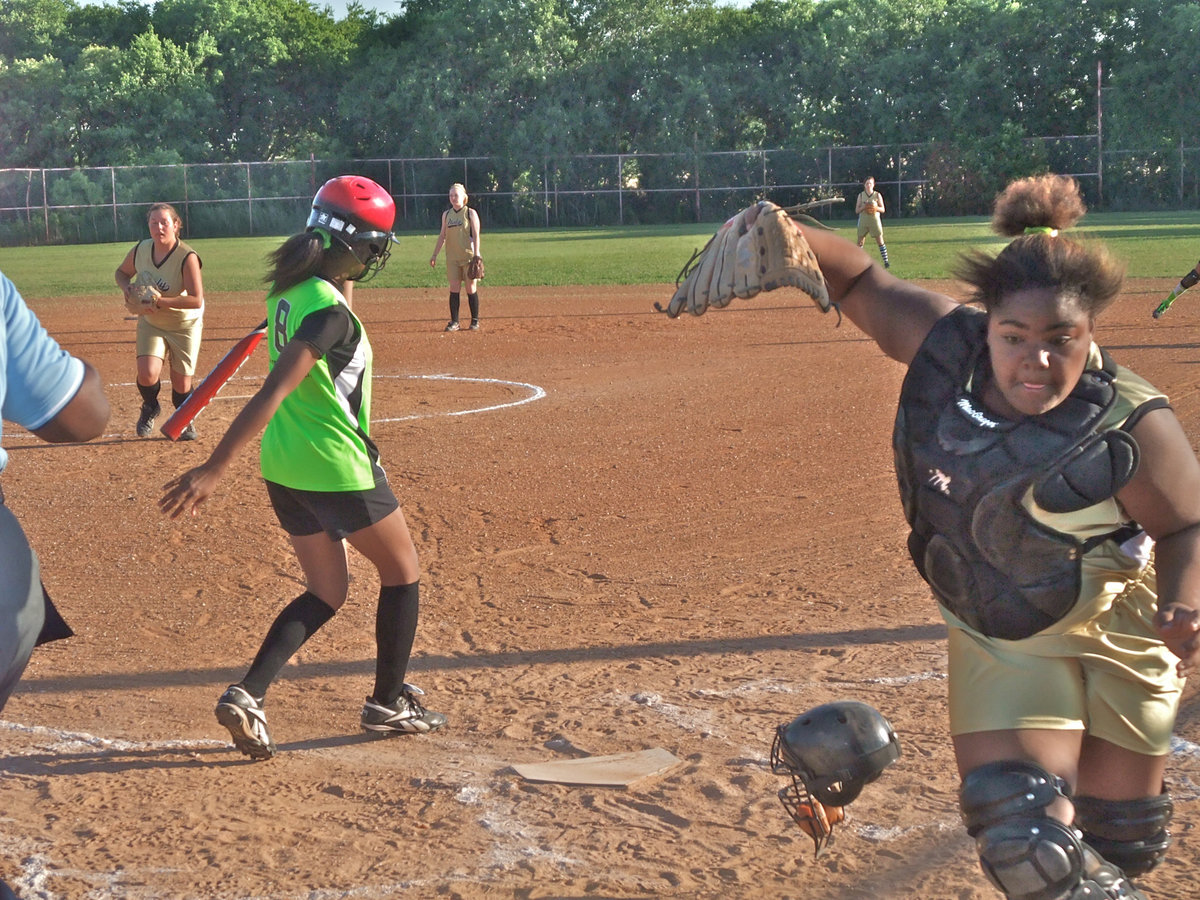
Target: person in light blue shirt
{"x":59,"y":398}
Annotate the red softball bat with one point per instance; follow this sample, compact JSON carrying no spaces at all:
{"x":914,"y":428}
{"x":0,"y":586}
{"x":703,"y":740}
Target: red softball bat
{"x":203,"y":394}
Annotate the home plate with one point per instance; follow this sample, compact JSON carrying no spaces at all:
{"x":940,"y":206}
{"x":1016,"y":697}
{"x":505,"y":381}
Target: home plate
{"x":618,"y":770}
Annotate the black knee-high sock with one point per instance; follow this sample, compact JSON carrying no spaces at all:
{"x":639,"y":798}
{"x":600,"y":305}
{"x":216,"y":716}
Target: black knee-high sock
{"x":149,"y":393}
{"x":473,"y":302}
{"x":178,"y":397}
{"x":395,"y":628}
{"x":883,"y":253}
{"x":455,"y":299}
{"x":298,"y":622}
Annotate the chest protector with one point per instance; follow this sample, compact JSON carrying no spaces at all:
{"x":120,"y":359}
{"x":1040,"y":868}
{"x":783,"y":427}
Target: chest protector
{"x":963,"y":473}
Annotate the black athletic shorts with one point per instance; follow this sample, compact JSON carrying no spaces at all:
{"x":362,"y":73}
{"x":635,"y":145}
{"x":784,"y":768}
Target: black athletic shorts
{"x":337,"y":513}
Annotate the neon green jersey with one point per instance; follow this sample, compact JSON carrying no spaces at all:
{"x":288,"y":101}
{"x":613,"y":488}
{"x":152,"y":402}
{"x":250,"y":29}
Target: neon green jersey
{"x":318,"y":439}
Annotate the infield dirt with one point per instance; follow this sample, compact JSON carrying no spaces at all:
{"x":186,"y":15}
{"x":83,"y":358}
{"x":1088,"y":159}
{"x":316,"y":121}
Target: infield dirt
{"x":693,"y":536}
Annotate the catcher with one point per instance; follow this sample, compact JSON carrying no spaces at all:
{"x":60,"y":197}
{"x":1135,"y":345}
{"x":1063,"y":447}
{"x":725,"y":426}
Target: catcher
{"x":160,"y":278}
{"x":1054,"y":505}
{"x":869,"y":207}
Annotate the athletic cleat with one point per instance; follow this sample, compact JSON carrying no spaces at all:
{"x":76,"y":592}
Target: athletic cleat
{"x":145,"y":422}
{"x":405,"y":716}
{"x":474,"y":325}
{"x":452,"y":326}
{"x":188,"y":433}
{"x":246,"y":721}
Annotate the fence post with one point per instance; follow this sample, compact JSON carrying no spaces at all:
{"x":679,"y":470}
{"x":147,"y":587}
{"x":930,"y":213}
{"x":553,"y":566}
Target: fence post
{"x":45,"y":206}
{"x":249,"y":200}
{"x":620,"y":191}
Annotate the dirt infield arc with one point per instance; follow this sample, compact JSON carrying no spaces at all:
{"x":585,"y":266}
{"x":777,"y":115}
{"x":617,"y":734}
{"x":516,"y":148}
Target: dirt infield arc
{"x":693,"y":536}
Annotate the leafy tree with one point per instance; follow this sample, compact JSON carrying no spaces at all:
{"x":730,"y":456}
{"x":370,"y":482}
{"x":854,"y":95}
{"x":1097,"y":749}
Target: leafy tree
{"x":148,"y":103}
{"x":276,"y":73}
{"x":30,"y":138}
{"x":29,"y":28}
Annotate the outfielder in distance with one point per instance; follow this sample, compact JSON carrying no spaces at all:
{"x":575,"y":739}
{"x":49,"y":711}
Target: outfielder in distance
{"x":1190,"y":280}
{"x":869,"y":208}
{"x":1054,"y":505}
{"x":320,"y":465}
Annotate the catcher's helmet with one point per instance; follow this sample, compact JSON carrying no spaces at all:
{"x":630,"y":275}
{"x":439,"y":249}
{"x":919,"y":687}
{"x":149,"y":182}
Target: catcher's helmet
{"x":359,"y":214}
{"x":835,"y":750}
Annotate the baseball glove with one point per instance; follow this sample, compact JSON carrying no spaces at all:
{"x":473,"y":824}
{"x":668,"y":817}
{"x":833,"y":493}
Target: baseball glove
{"x":475,"y":268}
{"x":759,"y":249}
{"x":142,"y":298}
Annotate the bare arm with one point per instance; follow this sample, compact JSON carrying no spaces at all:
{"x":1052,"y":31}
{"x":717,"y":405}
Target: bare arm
{"x":84,"y":417}
{"x":1164,"y":498}
{"x":438,"y":246}
{"x":186,"y":492}
{"x":896,"y":314}
{"x":475,"y":232}
{"x":125,"y":273}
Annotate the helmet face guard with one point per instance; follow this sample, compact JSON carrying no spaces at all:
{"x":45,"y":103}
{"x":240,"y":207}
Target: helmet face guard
{"x":830,"y":752}
{"x":358,"y":214}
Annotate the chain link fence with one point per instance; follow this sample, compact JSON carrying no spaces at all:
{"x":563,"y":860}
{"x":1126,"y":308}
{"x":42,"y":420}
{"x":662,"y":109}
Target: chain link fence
{"x":91,"y":205}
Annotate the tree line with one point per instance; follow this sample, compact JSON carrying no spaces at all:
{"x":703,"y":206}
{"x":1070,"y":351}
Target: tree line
{"x":227,"y":80}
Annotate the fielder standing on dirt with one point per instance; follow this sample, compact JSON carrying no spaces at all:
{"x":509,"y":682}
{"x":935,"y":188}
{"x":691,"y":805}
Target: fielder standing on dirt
{"x":460,"y":236}
{"x":1054,"y":505}
{"x":160,"y":278}
{"x":321,"y":467}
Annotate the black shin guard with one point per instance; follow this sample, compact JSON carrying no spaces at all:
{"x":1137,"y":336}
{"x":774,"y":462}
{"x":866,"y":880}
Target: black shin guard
{"x":395,"y":629}
{"x":299,"y":621}
{"x":1024,"y":852}
{"x":1129,"y":833}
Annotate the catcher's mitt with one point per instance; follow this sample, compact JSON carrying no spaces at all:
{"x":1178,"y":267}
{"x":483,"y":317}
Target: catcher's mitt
{"x":475,"y":268}
{"x":759,"y":249}
{"x":141,"y":298}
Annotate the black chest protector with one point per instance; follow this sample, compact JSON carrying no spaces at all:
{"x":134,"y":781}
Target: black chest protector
{"x":963,"y":472}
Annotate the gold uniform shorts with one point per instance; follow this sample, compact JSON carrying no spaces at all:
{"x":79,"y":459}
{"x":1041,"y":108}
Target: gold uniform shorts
{"x":456,"y":270}
{"x":869,"y":223}
{"x":1102,"y":670}
{"x":176,"y":337}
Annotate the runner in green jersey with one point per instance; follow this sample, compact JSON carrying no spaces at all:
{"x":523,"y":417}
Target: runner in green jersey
{"x":321,"y":467}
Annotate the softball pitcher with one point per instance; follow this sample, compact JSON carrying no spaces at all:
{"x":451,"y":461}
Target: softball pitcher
{"x":171,"y":325}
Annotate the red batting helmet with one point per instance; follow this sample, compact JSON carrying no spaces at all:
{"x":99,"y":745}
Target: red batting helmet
{"x":358,"y":213}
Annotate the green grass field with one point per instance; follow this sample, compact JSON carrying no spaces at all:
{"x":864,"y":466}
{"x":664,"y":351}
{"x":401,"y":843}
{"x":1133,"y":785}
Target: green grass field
{"x":1151,"y":245}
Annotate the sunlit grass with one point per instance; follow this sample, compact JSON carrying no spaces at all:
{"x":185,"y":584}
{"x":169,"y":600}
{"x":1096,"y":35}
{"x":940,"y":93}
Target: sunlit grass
{"x":1164,"y":244}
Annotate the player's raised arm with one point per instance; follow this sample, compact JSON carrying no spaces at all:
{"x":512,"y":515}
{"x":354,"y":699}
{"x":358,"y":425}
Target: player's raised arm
{"x":763,"y":248}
